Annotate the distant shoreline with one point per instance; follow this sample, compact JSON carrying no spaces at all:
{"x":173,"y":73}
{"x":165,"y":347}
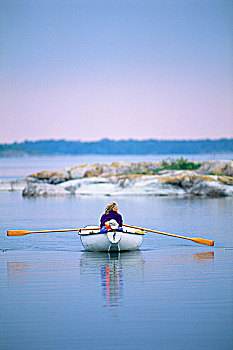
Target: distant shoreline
{"x":111,"y":147}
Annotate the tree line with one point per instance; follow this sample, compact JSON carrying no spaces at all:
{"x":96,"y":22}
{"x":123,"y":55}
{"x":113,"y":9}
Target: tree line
{"x":106,"y":146}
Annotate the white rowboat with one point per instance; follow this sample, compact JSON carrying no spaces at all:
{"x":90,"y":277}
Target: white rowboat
{"x":94,"y":241}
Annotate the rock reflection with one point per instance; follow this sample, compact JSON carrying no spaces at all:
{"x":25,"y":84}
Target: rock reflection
{"x":112,"y":267}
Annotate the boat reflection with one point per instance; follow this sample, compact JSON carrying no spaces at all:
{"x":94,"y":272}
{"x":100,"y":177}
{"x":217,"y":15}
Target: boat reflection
{"x":112,"y":267}
{"x":112,"y":283}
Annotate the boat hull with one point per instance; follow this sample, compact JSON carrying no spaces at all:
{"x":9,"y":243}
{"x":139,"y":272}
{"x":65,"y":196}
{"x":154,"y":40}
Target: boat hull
{"x":129,"y":239}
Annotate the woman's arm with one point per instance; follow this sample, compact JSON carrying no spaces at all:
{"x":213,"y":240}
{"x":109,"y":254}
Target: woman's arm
{"x":103,"y":220}
{"x":121,"y":221}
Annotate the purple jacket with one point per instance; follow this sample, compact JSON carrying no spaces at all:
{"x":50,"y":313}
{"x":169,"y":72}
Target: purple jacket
{"x":112,"y":215}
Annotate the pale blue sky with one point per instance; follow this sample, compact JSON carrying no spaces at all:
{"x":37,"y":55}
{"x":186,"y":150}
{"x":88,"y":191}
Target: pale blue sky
{"x":87,"y":70}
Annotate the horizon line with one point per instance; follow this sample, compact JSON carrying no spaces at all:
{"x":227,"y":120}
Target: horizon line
{"x":120,"y":140}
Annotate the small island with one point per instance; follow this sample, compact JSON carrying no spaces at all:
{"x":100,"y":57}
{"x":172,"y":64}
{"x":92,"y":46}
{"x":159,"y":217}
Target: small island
{"x":171,"y":177}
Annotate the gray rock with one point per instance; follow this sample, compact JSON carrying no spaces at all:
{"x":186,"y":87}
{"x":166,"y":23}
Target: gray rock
{"x":210,"y":189}
{"x":51,"y":177}
{"x":218,"y":167}
{"x":176,"y":183}
{"x":43,"y":190}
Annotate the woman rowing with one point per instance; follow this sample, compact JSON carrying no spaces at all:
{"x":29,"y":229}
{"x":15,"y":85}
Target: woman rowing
{"x":111,"y":219}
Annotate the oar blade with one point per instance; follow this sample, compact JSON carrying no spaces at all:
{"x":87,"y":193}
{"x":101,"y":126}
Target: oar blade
{"x":203,"y":241}
{"x":18,"y":233}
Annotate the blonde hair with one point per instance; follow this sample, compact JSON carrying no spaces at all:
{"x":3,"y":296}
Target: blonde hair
{"x":110,"y":207}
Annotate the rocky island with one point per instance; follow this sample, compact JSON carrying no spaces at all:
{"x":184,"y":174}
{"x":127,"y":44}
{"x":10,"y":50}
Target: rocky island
{"x":167,"y":178}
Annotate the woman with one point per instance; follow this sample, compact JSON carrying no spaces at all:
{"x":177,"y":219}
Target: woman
{"x":111,"y":219}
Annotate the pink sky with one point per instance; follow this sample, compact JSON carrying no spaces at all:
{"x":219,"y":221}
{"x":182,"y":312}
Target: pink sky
{"x":86,"y":72}
{"x":120,"y":110}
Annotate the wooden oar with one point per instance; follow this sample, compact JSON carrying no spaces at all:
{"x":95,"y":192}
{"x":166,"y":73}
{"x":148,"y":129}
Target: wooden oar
{"x":24,"y":232}
{"x":196,"y":240}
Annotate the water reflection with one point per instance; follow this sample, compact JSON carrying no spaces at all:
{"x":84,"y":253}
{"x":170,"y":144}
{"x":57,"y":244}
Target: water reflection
{"x":17,"y":268}
{"x":203,"y":256}
{"x":112,"y":267}
{"x":45,"y":271}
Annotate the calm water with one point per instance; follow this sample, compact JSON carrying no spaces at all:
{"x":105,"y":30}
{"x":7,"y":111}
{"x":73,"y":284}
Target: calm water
{"x":172,"y":294}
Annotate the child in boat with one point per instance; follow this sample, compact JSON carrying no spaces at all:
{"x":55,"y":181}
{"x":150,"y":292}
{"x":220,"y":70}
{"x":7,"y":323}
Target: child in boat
{"x":111,"y":219}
